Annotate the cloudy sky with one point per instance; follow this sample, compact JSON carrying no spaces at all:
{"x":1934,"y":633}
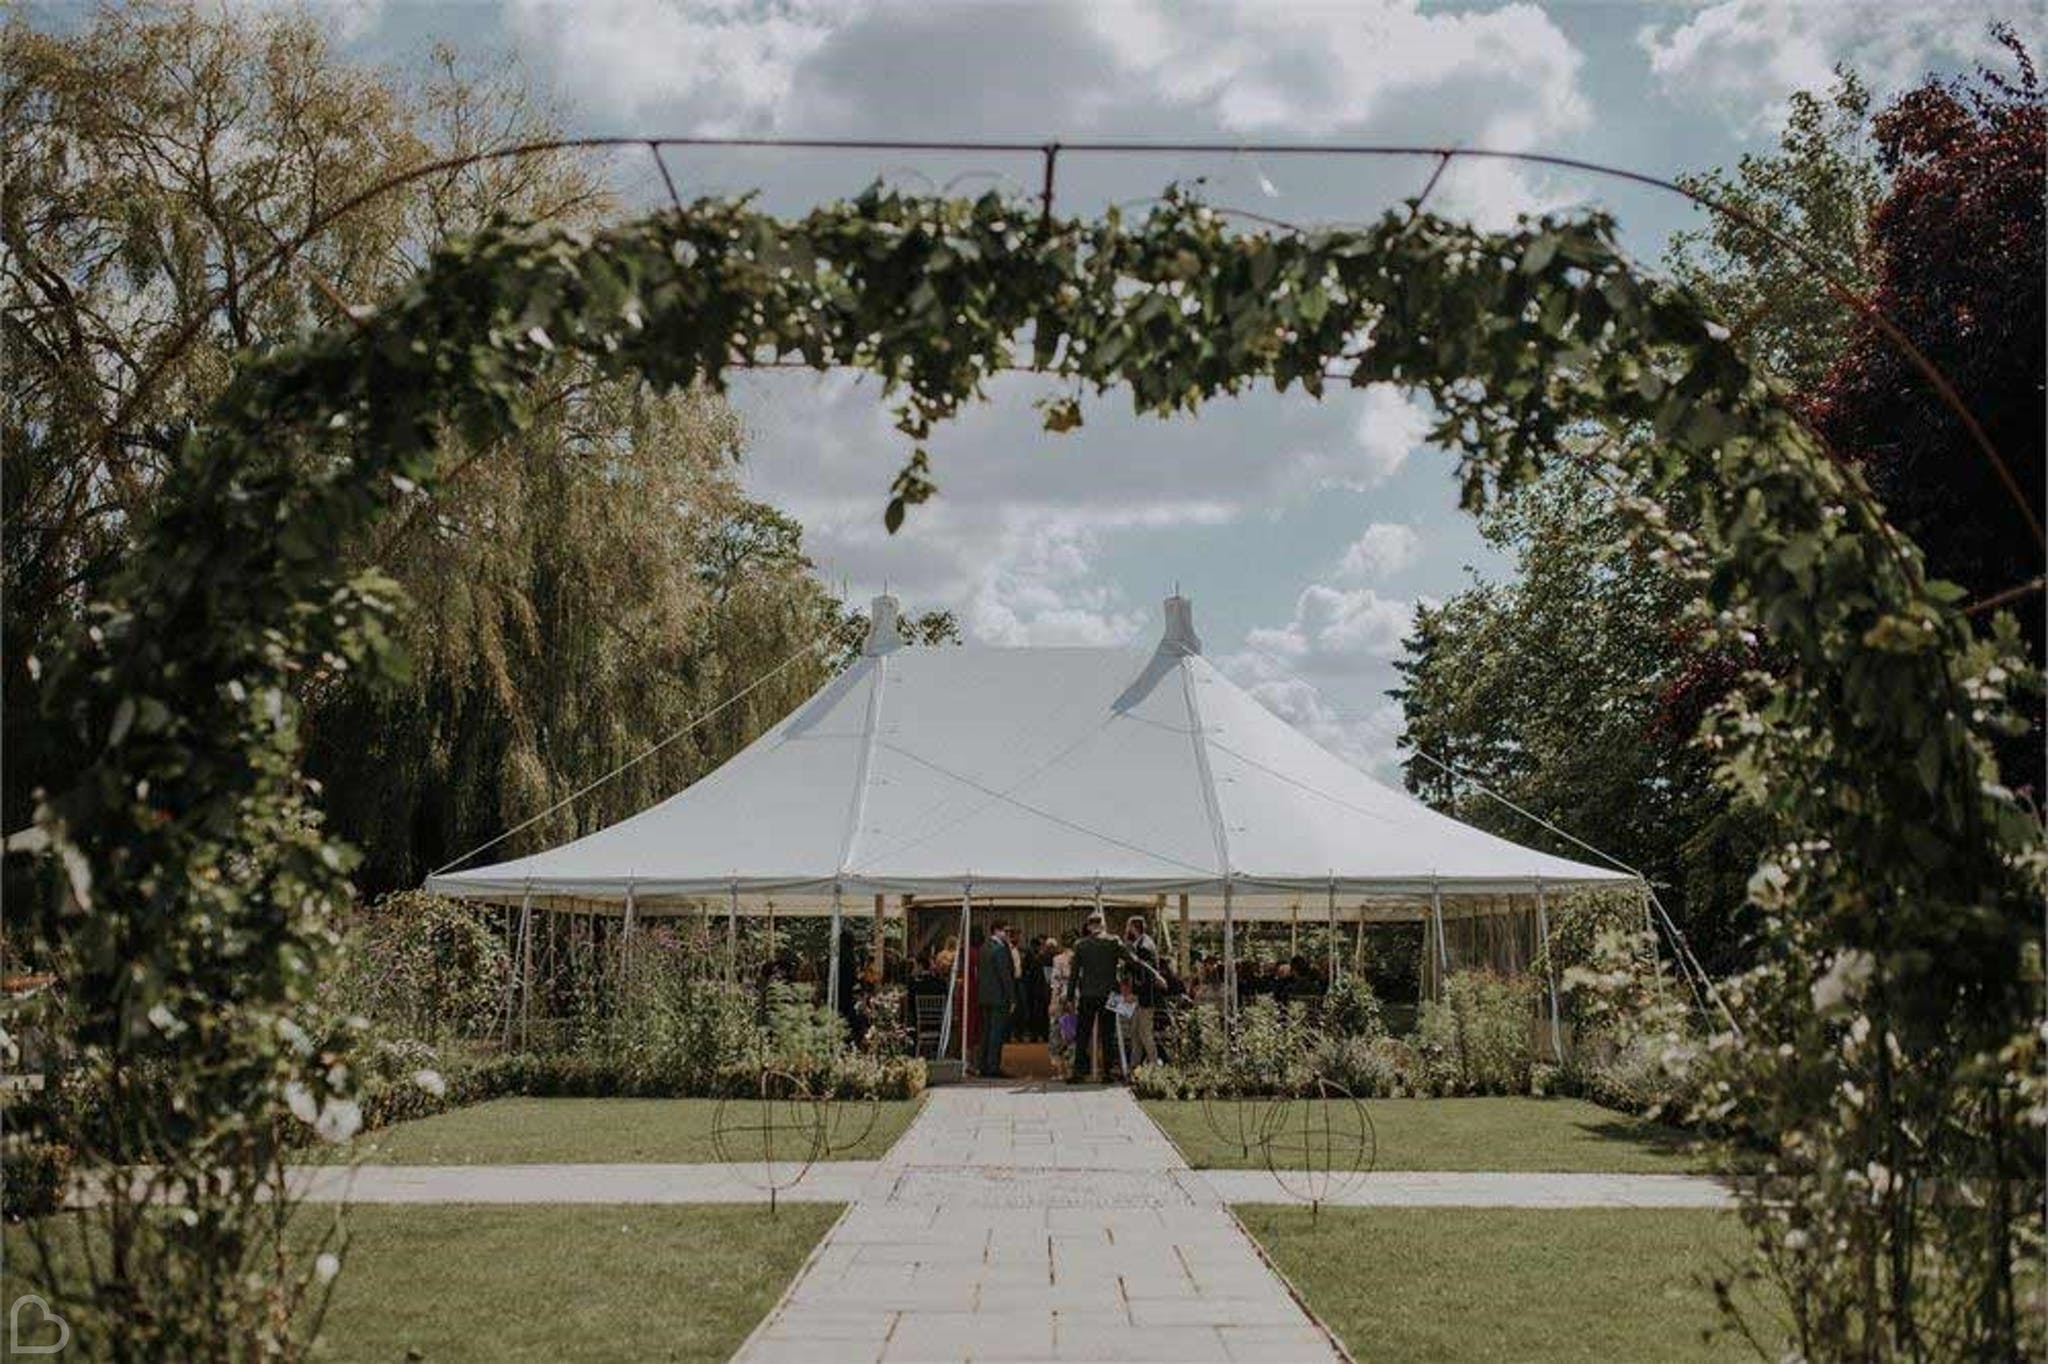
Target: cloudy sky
{"x":1305,"y":533}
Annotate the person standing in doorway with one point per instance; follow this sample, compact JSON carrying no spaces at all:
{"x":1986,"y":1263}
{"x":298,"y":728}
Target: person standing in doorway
{"x":1098,"y":959}
{"x":997,"y":983}
{"x":1141,"y":969}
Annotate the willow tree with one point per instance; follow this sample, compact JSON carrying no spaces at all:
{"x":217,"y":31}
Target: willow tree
{"x":564,"y":620}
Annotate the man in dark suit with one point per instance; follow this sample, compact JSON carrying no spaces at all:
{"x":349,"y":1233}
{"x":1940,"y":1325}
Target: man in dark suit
{"x":998,"y":998}
{"x":1098,"y":962}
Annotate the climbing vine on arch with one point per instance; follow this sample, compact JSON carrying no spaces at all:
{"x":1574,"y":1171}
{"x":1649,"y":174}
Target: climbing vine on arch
{"x":191,"y":888}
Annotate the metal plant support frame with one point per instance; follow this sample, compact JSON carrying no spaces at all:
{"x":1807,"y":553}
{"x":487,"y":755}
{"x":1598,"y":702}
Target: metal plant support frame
{"x":287,"y":250}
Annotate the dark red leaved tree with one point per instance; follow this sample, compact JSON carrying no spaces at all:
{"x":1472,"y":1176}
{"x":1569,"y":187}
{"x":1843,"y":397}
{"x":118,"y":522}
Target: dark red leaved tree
{"x":1959,"y":243}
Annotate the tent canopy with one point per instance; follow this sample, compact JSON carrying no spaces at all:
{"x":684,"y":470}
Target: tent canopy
{"x":1036,"y":771}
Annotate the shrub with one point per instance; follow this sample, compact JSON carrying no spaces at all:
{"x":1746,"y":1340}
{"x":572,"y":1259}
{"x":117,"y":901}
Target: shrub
{"x":33,"y":1176}
{"x":1267,"y":1050}
{"x":1351,"y":1009}
{"x":1368,"y":1067}
{"x":428,"y":964}
{"x":887,"y":1033}
{"x":1479,"y":1038}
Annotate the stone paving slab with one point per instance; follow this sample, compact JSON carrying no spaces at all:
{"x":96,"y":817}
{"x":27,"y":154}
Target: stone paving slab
{"x":1482,"y":1189}
{"x":826,"y":1182}
{"x":1018,"y":1224}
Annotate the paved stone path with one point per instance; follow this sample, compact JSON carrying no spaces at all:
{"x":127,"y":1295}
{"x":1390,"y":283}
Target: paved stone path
{"x":1035,"y":1225}
{"x":1019,"y":1224}
{"x":849,"y":1181}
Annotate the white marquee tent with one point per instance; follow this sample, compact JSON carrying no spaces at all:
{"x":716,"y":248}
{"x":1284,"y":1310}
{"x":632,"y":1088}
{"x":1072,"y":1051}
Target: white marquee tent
{"x":993,"y":773}
{"x":1034,"y":771}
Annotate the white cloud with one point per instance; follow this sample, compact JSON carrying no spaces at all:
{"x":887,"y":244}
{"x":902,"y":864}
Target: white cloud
{"x":1384,"y":549}
{"x":1337,"y":629}
{"x":1016,"y":539}
{"x":1315,"y":69}
{"x":1389,"y":427}
{"x":1745,"y":58}
{"x":1042,"y":587}
{"x":728,"y":65}
{"x":1366,"y":737}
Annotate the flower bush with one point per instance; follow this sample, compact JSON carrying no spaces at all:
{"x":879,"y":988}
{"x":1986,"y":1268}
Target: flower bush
{"x":1480,"y":1037}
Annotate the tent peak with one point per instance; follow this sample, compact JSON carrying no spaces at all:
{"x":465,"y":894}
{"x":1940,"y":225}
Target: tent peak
{"x":1180,"y":637}
{"x":883,"y":636}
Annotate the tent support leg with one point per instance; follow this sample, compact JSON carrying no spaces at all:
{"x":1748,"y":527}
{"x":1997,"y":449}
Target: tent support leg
{"x":1550,"y":974}
{"x":960,"y":958}
{"x":1229,"y":955}
{"x":1330,"y":906}
{"x":832,"y":954}
{"x":732,"y":935}
{"x":526,"y":976}
{"x":626,"y":940}
{"x":1443,"y":947}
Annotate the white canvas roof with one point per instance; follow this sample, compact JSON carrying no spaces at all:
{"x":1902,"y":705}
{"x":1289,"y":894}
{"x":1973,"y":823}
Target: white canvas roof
{"x":1036,"y":771}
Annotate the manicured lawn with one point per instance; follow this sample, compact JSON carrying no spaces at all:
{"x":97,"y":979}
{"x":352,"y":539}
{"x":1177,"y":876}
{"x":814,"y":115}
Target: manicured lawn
{"x":613,"y":1131}
{"x":456,"y":1283}
{"x":1466,"y":1134}
{"x":1453,"y":1284}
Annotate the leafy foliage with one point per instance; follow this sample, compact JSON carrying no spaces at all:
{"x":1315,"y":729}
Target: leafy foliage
{"x":1958,"y":238}
{"x":1551,"y":689}
{"x":426,"y":965}
{"x":1866,"y":753}
{"x":584,"y":587}
{"x":1480,"y":1038}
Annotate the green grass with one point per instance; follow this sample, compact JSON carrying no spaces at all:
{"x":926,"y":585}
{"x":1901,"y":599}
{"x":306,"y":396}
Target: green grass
{"x":1453,"y":1284}
{"x":611,"y":1131}
{"x":466,"y":1283}
{"x":1466,"y":1134}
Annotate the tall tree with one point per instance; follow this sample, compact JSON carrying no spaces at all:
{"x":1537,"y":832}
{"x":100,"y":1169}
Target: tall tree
{"x":1817,"y":189}
{"x":1549,"y":689}
{"x":580,"y":593}
{"x":1959,"y":246}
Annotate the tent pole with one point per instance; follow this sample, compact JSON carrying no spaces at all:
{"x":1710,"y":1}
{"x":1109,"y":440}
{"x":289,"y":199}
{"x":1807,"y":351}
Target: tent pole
{"x":626,"y":940}
{"x":832,"y":955}
{"x":1294,"y":929}
{"x":1159,"y":921}
{"x":511,"y":985}
{"x":953,"y":977}
{"x":1229,"y":955}
{"x":732,"y":934}
{"x":1358,"y":941}
{"x":526,"y":976}
{"x":960,"y":957}
{"x":1331,"y":906}
{"x":1443,"y":947}
{"x":1549,"y":972}
{"x":1185,"y":948}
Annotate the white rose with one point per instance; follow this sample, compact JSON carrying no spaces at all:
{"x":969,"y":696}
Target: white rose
{"x":431,"y":1082}
{"x":339,"y":1120}
{"x":299,"y":1100}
